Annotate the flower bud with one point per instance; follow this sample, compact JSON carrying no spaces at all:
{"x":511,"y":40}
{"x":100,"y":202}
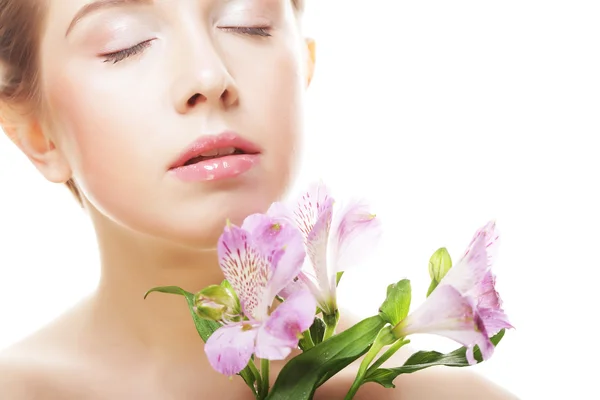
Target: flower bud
{"x":216,"y":303}
{"x":439,"y":264}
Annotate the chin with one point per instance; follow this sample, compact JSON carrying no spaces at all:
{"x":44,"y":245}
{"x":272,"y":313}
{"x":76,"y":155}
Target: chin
{"x":193,"y":220}
{"x":202,"y":226}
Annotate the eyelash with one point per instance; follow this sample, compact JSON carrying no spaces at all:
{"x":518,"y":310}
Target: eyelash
{"x":126,"y":53}
{"x":263,"y":31}
{"x":115,"y":57}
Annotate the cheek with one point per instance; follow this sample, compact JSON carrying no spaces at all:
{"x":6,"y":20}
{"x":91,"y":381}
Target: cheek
{"x":273,"y":90}
{"x":101,"y":130}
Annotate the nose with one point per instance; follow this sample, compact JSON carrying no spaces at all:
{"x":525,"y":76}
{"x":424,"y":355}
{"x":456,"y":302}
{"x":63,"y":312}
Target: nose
{"x":205,"y":80}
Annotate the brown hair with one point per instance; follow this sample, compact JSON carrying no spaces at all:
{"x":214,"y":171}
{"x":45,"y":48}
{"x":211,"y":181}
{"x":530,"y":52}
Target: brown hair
{"x":21,"y":24}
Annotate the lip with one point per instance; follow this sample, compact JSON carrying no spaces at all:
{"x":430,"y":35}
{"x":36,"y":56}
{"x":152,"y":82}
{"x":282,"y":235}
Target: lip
{"x":212,"y":169}
{"x":212,"y":142}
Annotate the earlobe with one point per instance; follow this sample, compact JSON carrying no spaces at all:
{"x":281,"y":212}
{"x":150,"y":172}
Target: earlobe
{"x":310,"y":59}
{"x":40,"y":150}
{"x":9,"y":129}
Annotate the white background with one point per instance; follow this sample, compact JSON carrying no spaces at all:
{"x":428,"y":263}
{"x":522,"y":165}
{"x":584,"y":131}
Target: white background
{"x":445,"y":114}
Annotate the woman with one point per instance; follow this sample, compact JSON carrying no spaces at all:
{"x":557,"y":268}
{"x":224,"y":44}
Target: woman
{"x":164,"y":118}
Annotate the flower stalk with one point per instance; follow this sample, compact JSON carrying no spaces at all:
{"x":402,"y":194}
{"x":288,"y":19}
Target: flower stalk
{"x":258,"y":384}
{"x":264,"y":367}
{"x":384,"y":338}
{"x":387,"y":355}
{"x":331,"y":321}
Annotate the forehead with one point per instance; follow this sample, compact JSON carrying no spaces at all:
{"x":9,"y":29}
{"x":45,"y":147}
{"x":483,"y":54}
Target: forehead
{"x":67,"y":12}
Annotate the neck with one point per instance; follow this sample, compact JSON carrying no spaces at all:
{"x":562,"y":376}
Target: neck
{"x":160,"y":325}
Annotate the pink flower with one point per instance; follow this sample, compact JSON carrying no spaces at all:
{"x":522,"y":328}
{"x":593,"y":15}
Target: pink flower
{"x":259,"y":260}
{"x":335,"y":240}
{"x":465,"y":307}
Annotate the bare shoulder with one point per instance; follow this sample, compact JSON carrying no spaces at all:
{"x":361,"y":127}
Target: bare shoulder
{"x":39,"y":369}
{"x":37,"y":366}
{"x":21,"y":378}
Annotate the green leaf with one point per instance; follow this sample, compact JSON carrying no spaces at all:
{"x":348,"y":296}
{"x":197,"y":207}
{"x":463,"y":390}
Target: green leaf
{"x":204,"y":327}
{"x":425,"y":359}
{"x":300,"y":377}
{"x":397,"y":303}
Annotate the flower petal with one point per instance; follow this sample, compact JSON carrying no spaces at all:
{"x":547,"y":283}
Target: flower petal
{"x":247,"y":268}
{"x":230,"y":347}
{"x":448,"y":313}
{"x":316,"y":271}
{"x":472,"y":276}
{"x":489,"y":305}
{"x":280,"y":333}
{"x":310,"y":205}
{"x":494,"y":320}
{"x":355,"y":231}
{"x":283,"y":244}
{"x":301,"y":283}
{"x":296,"y":285}
{"x":287,"y":264}
{"x":486,"y":292}
{"x":266,"y":231}
{"x":492,"y":237}
{"x":470,"y":271}
{"x":282,"y":211}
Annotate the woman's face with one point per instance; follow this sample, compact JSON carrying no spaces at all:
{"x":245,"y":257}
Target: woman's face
{"x":134,"y":85}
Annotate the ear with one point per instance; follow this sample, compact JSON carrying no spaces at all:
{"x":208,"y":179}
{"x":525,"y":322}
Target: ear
{"x":31,"y":139}
{"x":310,"y":59}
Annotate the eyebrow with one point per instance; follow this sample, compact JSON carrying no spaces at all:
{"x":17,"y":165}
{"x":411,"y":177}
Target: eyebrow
{"x":101,"y":5}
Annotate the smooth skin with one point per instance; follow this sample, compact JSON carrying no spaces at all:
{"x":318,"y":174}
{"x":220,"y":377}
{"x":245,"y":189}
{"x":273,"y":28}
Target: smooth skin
{"x":115,"y":125}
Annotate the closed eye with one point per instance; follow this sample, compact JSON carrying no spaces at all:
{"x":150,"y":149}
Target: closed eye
{"x":121,"y":55}
{"x":263,"y":31}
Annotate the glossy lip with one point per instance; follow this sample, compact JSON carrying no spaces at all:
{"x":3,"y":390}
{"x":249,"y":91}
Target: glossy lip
{"x":212,"y":142}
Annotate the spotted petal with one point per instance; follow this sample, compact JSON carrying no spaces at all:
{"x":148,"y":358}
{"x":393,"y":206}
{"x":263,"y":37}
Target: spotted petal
{"x":446,"y":312}
{"x":247,"y":268}
{"x":492,"y":239}
{"x":310,"y":205}
{"x":280,"y":333}
{"x":473,"y":276}
{"x":283,"y":240}
{"x":230,"y":347}
{"x":316,"y":272}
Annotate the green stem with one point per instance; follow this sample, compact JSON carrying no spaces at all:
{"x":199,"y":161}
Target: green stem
{"x":257,"y":377}
{"x":386,"y":356}
{"x":384,"y":338}
{"x":331,"y":321}
{"x":264,"y":367}
{"x":307,"y":340}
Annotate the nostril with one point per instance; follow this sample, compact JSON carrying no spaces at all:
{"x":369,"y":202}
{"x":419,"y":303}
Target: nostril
{"x":192,"y":101}
{"x":226,"y":97}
